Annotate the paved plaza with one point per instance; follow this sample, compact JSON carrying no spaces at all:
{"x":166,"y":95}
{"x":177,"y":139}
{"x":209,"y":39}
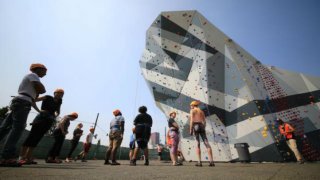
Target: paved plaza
{"x":95,"y":169}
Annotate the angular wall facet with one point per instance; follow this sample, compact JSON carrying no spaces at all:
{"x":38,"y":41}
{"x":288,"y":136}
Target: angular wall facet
{"x":187,"y":58}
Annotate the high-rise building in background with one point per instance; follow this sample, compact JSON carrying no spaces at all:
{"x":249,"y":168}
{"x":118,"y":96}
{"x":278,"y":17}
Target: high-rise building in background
{"x":154,"y":138}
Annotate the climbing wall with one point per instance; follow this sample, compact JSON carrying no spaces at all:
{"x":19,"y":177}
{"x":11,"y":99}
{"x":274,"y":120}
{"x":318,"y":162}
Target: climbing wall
{"x":187,"y":58}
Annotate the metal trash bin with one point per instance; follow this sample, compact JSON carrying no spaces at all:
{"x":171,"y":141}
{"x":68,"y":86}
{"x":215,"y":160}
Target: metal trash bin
{"x":243,"y":152}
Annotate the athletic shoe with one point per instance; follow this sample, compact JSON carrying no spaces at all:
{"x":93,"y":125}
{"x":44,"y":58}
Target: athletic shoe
{"x":107,"y":162}
{"x":133,"y":163}
{"x":10,"y":163}
{"x":146,"y":163}
{"x":114,"y":163}
{"x":199,"y":164}
{"x":212,"y":164}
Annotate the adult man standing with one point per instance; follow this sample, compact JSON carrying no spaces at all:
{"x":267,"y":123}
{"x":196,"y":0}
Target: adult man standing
{"x":197,"y":127}
{"x":15,"y":122}
{"x":288,"y":132}
{"x":115,"y":137}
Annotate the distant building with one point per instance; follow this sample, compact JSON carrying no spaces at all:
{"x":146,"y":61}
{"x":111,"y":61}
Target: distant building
{"x":154,"y":138}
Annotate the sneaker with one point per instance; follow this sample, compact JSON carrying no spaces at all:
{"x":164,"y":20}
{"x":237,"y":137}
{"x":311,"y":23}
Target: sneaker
{"x":146,"y":163}
{"x":51,"y":161}
{"x":114,"y":163}
{"x":10,"y":163}
{"x":25,"y":162}
{"x":83,"y":160}
{"x":176,"y":164}
{"x":301,"y":162}
{"x":133,"y":163}
{"x":67,"y":160}
{"x":212,"y":164}
{"x":34,"y":162}
{"x":199,"y":164}
{"x":107,"y":162}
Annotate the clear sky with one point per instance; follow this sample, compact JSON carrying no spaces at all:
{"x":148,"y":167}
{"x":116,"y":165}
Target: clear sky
{"x":92,"y":47}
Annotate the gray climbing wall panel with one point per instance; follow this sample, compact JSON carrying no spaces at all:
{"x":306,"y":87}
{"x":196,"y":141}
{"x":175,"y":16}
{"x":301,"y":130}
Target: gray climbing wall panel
{"x":187,"y":58}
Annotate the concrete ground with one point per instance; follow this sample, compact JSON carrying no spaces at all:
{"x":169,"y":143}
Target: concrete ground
{"x":95,"y":169}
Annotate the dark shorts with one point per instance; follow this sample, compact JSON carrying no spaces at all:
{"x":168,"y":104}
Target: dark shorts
{"x":199,"y":130}
{"x":132,"y":145}
{"x":86,"y":147}
{"x":143,"y":133}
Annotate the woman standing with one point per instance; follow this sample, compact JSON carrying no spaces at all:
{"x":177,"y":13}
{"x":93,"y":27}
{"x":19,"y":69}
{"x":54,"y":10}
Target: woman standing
{"x":174,"y":137}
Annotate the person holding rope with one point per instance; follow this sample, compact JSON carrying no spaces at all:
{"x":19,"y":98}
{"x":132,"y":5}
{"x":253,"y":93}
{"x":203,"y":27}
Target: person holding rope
{"x":50,"y":109}
{"x":59,"y":135}
{"x":115,"y":137}
{"x":86,"y":146}
{"x":15,"y":122}
{"x":143,"y":124}
{"x":197,"y":127}
{"x":77,"y":133}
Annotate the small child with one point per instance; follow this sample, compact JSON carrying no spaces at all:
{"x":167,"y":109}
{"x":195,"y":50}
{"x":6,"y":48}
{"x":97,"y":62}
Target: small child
{"x":132,"y":144}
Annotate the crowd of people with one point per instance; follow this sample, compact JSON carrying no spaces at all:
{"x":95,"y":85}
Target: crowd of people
{"x":29,"y":92}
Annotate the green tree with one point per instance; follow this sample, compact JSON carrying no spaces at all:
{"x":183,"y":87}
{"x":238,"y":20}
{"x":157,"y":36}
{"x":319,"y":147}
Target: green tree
{"x":3,"y":112}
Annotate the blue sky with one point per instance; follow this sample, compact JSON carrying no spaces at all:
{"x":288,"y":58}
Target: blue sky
{"x":92,"y":48}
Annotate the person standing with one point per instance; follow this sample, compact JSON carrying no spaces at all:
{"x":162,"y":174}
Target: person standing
{"x":143,"y":124}
{"x":132,"y":144}
{"x":197,"y":127}
{"x":288,"y":132}
{"x":174,"y":136}
{"x":86,"y":146}
{"x":50,"y":109}
{"x":77,"y":133}
{"x":15,"y":122}
{"x":115,"y":137}
{"x":59,"y":135}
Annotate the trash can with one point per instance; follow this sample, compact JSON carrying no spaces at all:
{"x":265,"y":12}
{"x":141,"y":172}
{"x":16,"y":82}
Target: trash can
{"x":243,"y":152}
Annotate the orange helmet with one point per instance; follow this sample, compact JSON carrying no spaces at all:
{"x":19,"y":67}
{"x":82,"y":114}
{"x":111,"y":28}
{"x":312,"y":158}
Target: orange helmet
{"x":59,"y":90}
{"x":194,"y":103}
{"x":172,"y":112}
{"x":116,"y":112}
{"x":37,"y":65}
{"x":74,"y":114}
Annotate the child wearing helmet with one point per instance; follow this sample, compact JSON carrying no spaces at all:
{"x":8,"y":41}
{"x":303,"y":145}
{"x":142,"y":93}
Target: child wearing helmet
{"x":86,"y":145}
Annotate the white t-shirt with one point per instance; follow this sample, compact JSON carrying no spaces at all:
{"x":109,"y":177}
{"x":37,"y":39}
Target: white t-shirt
{"x":26,"y":87}
{"x":90,"y":137}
